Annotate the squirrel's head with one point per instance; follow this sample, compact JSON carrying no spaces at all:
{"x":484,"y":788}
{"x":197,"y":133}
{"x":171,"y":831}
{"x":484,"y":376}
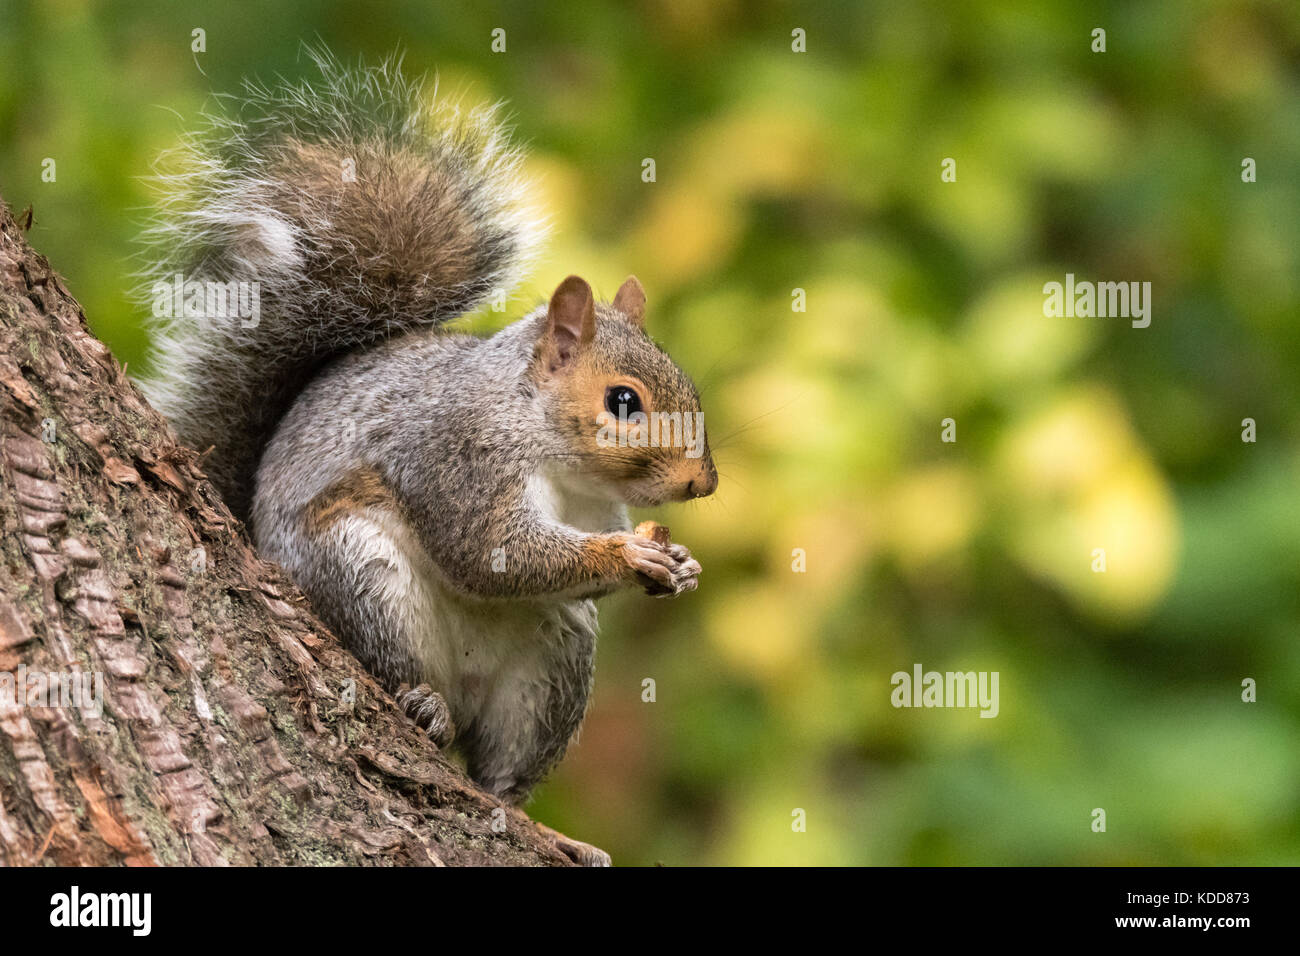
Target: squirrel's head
{"x":630,"y":418}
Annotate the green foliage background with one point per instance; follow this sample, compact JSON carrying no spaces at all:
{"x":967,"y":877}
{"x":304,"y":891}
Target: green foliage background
{"x":821,"y":171}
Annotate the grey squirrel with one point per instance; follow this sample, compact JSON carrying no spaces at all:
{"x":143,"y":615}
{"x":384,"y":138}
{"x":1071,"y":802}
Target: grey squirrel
{"x":448,"y":503}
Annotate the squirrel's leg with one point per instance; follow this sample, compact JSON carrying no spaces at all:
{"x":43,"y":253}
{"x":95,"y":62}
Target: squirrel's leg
{"x":518,"y":556}
{"x":365,"y":582}
{"x":535,"y":699}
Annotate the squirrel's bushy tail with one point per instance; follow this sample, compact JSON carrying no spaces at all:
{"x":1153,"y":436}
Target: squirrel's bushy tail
{"x":342,"y":211}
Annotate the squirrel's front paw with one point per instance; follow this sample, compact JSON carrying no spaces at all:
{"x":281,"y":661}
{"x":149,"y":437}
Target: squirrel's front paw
{"x":686,"y":576}
{"x":664,"y":568}
{"x":429,"y":710}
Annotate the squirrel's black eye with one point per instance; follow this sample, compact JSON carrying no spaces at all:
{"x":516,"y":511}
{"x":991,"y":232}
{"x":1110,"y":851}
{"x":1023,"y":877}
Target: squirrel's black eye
{"x":620,"y":399}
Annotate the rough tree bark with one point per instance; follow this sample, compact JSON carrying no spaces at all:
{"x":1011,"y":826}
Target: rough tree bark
{"x":227,"y":733}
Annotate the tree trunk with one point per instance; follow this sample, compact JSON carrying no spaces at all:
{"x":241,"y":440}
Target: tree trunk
{"x":234,"y":729}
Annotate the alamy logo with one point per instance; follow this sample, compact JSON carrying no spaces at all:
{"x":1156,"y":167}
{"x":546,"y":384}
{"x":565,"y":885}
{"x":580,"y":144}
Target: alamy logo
{"x":24,"y":688}
{"x":1128,"y":300}
{"x":950,"y":689}
{"x":655,"y":430}
{"x":192,"y":299}
{"x":102,"y":909}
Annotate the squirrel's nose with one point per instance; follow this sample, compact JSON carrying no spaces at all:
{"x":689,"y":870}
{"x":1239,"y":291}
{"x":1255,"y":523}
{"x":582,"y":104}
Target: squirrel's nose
{"x":704,"y":486}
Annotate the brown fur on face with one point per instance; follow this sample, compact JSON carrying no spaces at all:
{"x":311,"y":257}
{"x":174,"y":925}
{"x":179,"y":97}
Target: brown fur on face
{"x":619,"y":353}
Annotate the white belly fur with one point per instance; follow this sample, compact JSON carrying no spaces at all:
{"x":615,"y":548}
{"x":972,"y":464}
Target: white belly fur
{"x":498,"y":663}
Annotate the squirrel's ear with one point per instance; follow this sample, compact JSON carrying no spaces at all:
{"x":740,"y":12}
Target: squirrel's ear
{"x":631,"y":301}
{"x":570,"y":321}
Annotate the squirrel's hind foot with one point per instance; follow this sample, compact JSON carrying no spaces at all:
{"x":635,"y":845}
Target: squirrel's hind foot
{"x":429,"y":710}
{"x":583,"y":854}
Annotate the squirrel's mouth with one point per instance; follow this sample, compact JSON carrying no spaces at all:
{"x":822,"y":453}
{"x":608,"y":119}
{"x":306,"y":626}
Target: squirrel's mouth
{"x":637,"y":498}
{"x":643,"y":493}
{"x":661,"y":491}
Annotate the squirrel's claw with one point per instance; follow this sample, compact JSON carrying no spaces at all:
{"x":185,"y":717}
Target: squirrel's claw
{"x":583,"y":854}
{"x":686,"y":575}
{"x":652,"y":560}
{"x":665,"y":569}
{"x":429,"y":710}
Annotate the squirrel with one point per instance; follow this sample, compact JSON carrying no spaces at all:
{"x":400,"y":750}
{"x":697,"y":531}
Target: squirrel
{"x":448,"y":503}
